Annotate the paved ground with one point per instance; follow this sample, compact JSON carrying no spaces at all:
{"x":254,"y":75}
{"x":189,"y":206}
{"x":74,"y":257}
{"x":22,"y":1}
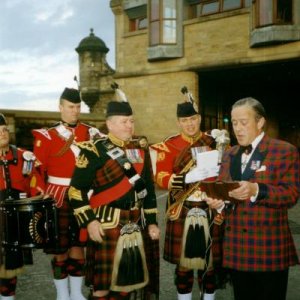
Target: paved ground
{"x":36,"y":282}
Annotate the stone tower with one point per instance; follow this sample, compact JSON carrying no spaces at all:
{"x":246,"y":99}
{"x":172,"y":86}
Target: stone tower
{"x":96,"y":76}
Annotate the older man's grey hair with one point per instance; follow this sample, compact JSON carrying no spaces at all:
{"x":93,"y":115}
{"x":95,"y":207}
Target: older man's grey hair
{"x":252,"y":103}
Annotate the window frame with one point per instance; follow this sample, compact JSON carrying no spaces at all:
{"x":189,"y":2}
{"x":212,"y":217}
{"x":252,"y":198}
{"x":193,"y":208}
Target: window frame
{"x":161,"y":20}
{"x":276,"y":31}
{"x":135,"y":24}
{"x":275,"y":20}
{"x":200,"y":4}
{"x":161,"y":49}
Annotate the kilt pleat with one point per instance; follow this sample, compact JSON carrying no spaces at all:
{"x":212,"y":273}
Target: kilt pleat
{"x":152,"y":258}
{"x":68,"y":230}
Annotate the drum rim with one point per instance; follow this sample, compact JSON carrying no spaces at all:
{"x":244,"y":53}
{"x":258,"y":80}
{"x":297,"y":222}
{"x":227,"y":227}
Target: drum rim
{"x":28,"y":201}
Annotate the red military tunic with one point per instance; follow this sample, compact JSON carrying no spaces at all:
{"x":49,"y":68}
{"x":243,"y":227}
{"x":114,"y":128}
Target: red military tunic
{"x":56,"y":149}
{"x":18,"y":179}
{"x":22,"y":181}
{"x":175,"y":157}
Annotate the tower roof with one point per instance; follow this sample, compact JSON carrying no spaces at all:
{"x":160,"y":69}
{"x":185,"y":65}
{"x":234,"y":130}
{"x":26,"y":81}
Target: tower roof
{"x":92,"y":43}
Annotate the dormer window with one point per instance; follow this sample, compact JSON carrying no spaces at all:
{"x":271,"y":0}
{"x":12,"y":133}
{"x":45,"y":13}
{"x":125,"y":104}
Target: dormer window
{"x":165,"y":29}
{"x":162,"y":22}
{"x":136,"y":12}
{"x":138,"y":23}
{"x":275,"y":22}
{"x":273,"y":12}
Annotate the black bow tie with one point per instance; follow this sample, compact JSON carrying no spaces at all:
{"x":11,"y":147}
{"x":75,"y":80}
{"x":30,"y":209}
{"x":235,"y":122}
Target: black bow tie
{"x":247,"y":149}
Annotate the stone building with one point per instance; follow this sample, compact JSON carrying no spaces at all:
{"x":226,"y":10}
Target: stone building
{"x":221,"y":50}
{"x":96,"y":76}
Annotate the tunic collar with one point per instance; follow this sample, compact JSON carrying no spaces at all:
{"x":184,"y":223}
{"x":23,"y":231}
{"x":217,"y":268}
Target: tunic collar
{"x":191,"y":139}
{"x":69,"y":125}
{"x":117,"y":141}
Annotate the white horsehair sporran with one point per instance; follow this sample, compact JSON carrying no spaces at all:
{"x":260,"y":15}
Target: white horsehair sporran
{"x":196,"y":248}
{"x":130,"y":270}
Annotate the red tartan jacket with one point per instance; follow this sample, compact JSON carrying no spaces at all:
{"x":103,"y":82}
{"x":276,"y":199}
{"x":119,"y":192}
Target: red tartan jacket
{"x":257,"y":236}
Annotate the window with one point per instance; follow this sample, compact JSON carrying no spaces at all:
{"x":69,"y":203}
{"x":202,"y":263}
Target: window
{"x":207,"y":7}
{"x":137,"y":15}
{"x":163,"y":22}
{"x":165,"y":29}
{"x":273,"y":12}
{"x":275,"y":22}
{"x":138,"y":24}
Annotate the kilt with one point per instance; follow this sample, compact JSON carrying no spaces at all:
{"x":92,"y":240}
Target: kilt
{"x":152,"y":257}
{"x":100,"y":256}
{"x":174,"y":232}
{"x":68,"y":230}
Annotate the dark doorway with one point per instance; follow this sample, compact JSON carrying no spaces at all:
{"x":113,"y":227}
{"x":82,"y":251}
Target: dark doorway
{"x":274,"y":84}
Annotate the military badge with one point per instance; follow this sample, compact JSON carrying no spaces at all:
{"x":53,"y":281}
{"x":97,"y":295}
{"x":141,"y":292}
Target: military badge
{"x":127,"y":166}
{"x":28,"y":162}
{"x":81,"y":161}
{"x":161,"y":156}
{"x":255,"y":165}
{"x":134,"y":155}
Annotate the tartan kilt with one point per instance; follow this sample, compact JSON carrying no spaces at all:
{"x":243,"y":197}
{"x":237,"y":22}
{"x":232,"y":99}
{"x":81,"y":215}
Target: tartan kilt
{"x":67,"y":228}
{"x":152,"y":258}
{"x":100,"y":256}
{"x":174,"y":233}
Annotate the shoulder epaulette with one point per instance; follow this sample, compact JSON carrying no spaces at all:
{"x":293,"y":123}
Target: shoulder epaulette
{"x":44,"y":132}
{"x":161,"y":147}
{"x":95,"y":133}
{"x":100,"y":139}
{"x":89,"y":146}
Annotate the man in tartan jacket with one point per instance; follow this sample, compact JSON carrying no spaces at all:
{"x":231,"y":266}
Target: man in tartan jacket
{"x":258,"y":247}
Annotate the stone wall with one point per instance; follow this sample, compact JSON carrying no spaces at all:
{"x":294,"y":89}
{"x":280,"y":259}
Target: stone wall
{"x":210,"y":43}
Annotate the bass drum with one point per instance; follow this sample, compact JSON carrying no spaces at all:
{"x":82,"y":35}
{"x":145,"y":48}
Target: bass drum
{"x":29,"y":223}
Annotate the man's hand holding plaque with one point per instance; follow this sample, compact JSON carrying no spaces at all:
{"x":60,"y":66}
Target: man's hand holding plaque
{"x":219,"y":189}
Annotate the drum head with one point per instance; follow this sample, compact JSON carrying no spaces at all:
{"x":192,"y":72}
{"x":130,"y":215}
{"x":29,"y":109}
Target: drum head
{"x":30,"y":222}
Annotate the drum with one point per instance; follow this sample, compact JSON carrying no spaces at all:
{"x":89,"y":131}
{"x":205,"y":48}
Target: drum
{"x":29,"y":222}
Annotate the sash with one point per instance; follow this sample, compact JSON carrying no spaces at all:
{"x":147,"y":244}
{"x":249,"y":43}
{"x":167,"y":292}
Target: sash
{"x":185,"y":161}
{"x":117,"y":154}
{"x":68,"y":136}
